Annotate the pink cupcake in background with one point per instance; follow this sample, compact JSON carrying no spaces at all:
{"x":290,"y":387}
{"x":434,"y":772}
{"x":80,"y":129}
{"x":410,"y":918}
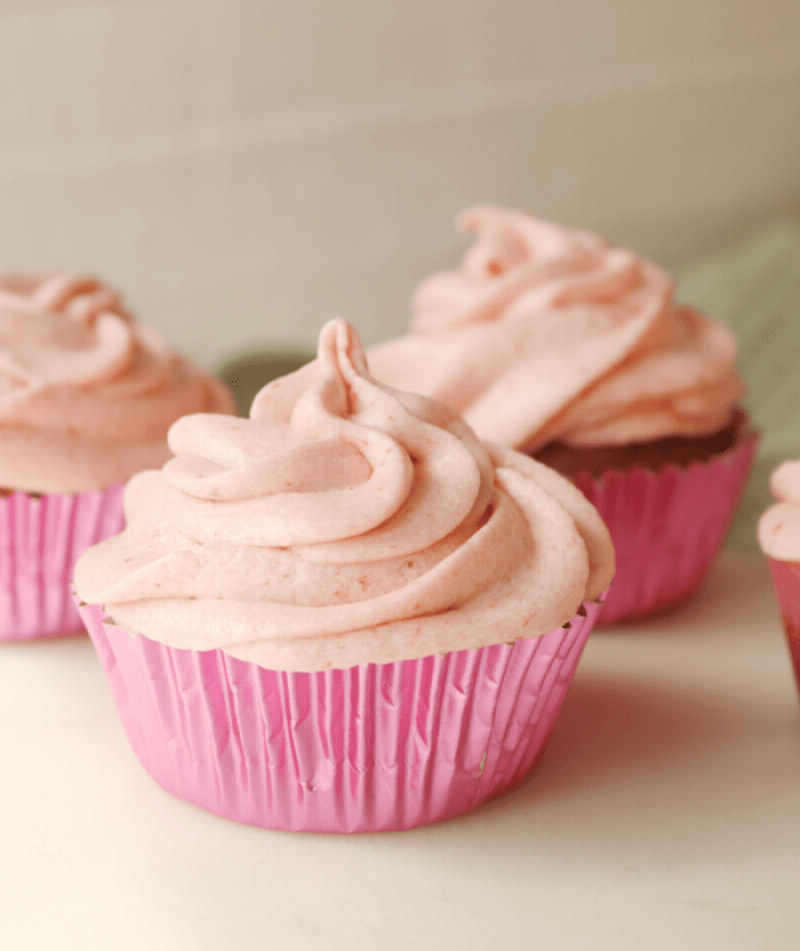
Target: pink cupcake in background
{"x":560,"y":345}
{"x":344,"y":613}
{"x":779,"y":537}
{"x":86,"y":398}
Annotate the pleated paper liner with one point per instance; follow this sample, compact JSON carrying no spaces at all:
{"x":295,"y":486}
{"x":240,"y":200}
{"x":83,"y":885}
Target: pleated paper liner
{"x":42,"y":538}
{"x":370,"y":748}
{"x":667,"y":526}
{"x":786,"y":577}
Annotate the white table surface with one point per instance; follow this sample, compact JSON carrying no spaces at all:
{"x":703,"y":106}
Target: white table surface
{"x":664,"y":814}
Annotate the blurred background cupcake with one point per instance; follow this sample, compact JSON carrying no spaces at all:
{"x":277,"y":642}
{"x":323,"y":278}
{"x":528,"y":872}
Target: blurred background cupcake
{"x":557,"y":343}
{"x":87,"y":395}
{"x":779,"y":538}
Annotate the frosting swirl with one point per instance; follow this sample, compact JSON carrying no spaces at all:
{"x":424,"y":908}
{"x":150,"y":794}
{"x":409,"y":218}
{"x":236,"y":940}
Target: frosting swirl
{"x":345,"y":523}
{"x":550,"y":334}
{"x":87,"y":394}
{"x":779,"y":526}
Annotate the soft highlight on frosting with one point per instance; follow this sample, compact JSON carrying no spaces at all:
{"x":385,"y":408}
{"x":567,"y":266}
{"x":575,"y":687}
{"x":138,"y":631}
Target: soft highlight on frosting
{"x":550,"y":334}
{"x":87,"y":393}
{"x":345,"y":523}
{"x":779,"y":526}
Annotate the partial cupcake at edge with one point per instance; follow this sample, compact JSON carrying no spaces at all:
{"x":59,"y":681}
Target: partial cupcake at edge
{"x":87,"y":395}
{"x":345,"y":613}
{"x":558,"y":344}
{"x":779,"y":538}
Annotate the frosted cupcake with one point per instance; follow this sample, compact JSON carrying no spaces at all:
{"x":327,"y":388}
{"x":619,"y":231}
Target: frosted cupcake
{"x":555,"y":343}
{"x":86,"y":398}
{"x":344,"y":613}
{"x":779,"y":537}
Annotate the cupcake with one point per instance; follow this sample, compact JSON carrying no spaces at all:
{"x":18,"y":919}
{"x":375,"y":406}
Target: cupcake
{"x":779,"y":538}
{"x":86,"y":398}
{"x":557,"y":344}
{"x":344,"y":613}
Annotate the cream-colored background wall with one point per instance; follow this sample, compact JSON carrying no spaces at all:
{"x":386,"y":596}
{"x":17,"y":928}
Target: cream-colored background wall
{"x":246,"y":170}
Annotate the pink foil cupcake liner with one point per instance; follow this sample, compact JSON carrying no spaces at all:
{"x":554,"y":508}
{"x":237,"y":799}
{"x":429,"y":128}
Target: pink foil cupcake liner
{"x":667,"y":526}
{"x":42,"y":537}
{"x":371,"y":748}
{"x":786,"y":577}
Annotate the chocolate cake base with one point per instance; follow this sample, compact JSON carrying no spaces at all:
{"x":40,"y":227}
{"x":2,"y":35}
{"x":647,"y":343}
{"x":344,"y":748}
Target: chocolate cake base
{"x":674,"y":450}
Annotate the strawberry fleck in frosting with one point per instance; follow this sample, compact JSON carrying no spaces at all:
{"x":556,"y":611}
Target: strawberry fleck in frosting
{"x":345,"y":523}
{"x":87,"y":394}
{"x":779,"y":526}
{"x":550,"y":334}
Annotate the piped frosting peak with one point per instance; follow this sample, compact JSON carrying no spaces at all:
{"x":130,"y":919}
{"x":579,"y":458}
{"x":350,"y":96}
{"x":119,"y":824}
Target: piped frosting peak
{"x":345,"y":523}
{"x":546,"y":333}
{"x":86,"y":392}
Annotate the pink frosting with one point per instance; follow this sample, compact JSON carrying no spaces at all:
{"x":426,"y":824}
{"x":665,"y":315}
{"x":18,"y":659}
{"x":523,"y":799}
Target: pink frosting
{"x":345,"y":523}
{"x":87,"y":394}
{"x":779,"y":526}
{"x":547,"y":334}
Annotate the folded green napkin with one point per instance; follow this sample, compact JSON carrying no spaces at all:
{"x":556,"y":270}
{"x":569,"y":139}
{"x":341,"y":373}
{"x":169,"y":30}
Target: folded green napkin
{"x":755,"y":288}
{"x":246,"y":372}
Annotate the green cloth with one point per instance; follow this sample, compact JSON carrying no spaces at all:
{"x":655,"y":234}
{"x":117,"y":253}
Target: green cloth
{"x":246,"y":372}
{"x":755,"y":288}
